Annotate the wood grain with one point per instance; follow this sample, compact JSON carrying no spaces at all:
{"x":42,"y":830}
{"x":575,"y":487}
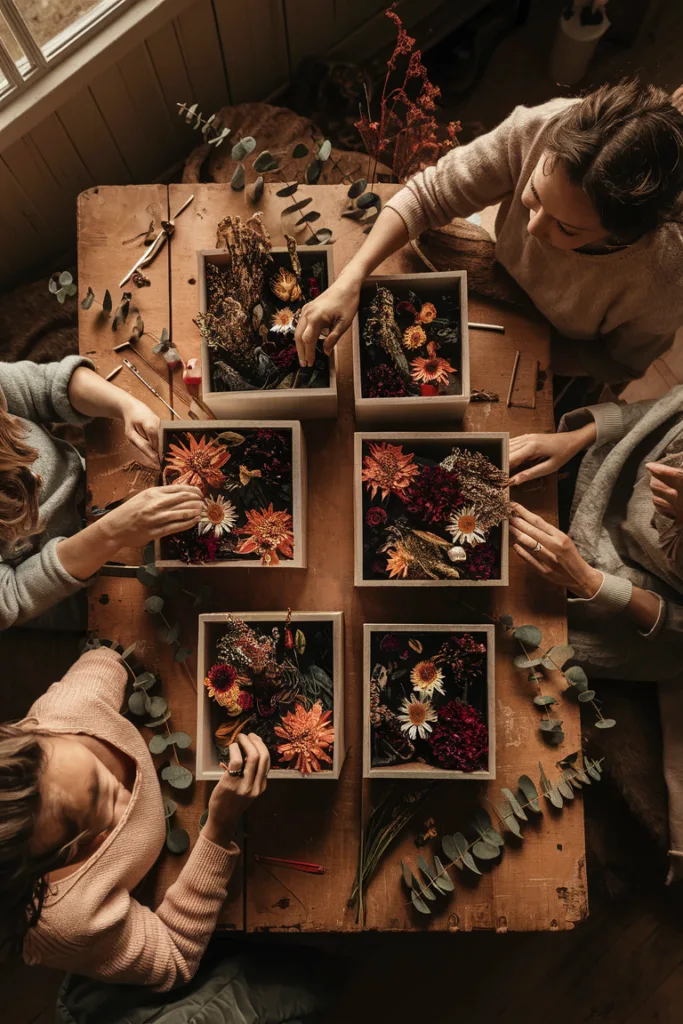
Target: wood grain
{"x":540,"y":886}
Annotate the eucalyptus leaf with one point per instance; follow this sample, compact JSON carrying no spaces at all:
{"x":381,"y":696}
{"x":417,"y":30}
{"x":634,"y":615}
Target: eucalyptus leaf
{"x":424,"y":891}
{"x":507,"y":815}
{"x":237,"y":180}
{"x":484,"y":826}
{"x":129,"y":650}
{"x":418,"y":903}
{"x":296,"y":207}
{"x":544,"y":699}
{"x":515,"y":804}
{"x":550,"y":724}
{"x":157,"y":706}
{"x":550,"y":792}
{"x":586,"y":696}
{"x":324,"y":151}
{"x":203,"y":819}
{"x":424,"y":868}
{"x":170,"y":807}
{"x":173,"y":633}
{"x":530,"y":792}
{"x":288,"y":190}
{"x":565,"y":789}
{"x":605,"y":723}
{"x":558,"y":656}
{"x":577,"y":677}
{"x":521,"y":661}
{"x":308,"y":218}
{"x":217,"y":140}
{"x":177,"y":776}
{"x":145,"y":681}
{"x":554,"y":738}
{"x":357,"y":188}
{"x":154,"y":723}
{"x":407,"y":874}
{"x":313,"y":172}
{"x":182,"y":654}
{"x":182,"y":740}
{"x":158,"y":744}
{"x":593,"y":769}
{"x":258,"y":188}
{"x":136,"y":703}
{"x":484,"y":850}
{"x":368,"y":199}
{"x":506,"y":621}
{"x":65,"y":279}
{"x":321,"y":237}
{"x":299,"y":152}
{"x":53,"y":286}
{"x":154,"y":604}
{"x":300,"y":642}
{"x":456,"y":848}
{"x":530,"y":636}
{"x":264,"y":160}
{"x":243,"y":148}
{"x":107,"y":303}
{"x":88,"y":300}
{"x":177,"y":840}
{"x":442,"y":879}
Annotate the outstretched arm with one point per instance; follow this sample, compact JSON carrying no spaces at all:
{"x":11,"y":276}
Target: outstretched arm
{"x":92,"y":396}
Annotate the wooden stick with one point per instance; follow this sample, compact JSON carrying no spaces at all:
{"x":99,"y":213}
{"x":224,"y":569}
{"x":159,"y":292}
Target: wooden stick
{"x":110,"y":376}
{"x":488,"y":327}
{"x":512,"y":378}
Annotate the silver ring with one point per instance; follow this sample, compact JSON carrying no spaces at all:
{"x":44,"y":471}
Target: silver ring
{"x":236,"y":773}
{"x":539,"y":547}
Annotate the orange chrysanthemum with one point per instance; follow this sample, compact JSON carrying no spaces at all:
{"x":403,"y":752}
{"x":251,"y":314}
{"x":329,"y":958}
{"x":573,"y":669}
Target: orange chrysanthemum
{"x":427,"y":313}
{"x":432,"y":370}
{"x":388,"y":469}
{"x":398,"y":562}
{"x":414,"y":337}
{"x":267,"y":532}
{"x":308,"y":736}
{"x":199,"y":464}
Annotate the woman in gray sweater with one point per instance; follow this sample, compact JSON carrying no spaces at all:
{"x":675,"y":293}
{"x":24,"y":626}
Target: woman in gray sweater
{"x":46,"y":557}
{"x":622,"y":559}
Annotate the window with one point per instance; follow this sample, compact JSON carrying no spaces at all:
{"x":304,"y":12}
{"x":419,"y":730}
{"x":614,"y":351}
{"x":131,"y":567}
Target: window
{"x":36,"y":34}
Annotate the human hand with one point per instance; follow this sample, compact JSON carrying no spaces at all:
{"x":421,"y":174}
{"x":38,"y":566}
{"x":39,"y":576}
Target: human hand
{"x":153,"y":513}
{"x":334,"y":309}
{"x":666,"y":484}
{"x":548,"y":452}
{"x":142,"y":430}
{"x":552,"y":553}
{"x":249,"y":756}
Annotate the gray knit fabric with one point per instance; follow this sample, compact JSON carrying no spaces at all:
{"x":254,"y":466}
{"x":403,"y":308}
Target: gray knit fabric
{"x":32,"y":579}
{"x":617,"y":529}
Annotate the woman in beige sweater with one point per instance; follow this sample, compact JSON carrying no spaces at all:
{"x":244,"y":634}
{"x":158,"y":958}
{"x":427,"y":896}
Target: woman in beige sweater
{"x":590,"y":192}
{"x":82,"y":823}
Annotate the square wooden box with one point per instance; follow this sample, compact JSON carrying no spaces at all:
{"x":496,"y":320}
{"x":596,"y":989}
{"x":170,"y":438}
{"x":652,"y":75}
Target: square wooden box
{"x":300,"y":403}
{"x":414,"y":408}
{"x":298,"y":509}
{"x":428,"y":772}
{"x":208,"y":767}
{"x":493,"y":445}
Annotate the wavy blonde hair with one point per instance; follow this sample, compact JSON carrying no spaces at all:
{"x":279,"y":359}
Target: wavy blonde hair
{"x":19,"y":486}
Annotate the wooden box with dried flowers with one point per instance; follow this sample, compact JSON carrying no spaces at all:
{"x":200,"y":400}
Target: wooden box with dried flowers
{"x":431,"y":509}
{"x":429,"y":701}
{"x":253,"y":477}
{"x":279,"y":674}
{"x":275,"y":385}
{"x":411,"y":355}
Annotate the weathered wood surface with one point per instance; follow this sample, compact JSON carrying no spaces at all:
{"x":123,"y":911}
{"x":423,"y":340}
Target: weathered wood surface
{"x":538,"y":886}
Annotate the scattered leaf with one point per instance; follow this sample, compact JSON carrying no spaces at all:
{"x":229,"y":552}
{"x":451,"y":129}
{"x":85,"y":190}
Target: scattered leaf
{"x":323,"y":151}
{"x":157,"y":706}
{"x":544,"y":699}
{"x":154,"y":604}
{"x":530,"y":792}
{"x":313,"y":172}
{"x":177,"y":776}
{"x":558,"y":656}
{"x":88,"y":299}
{"x":182,"y":740}
{"x":182,"y":654}
{"x":137,"y":702}
{"x":288,"y":190}
{"x":237,"y":180}
{"x":586,"y":696}
{"x":456,"y":848}
{"x":515,"y":804}
{"x":107,"y":303}
{"x":321,"y":237}
{"x":530,"y":636}
{"x":418,"y":903}
{"x":177,"y":840}
{"x":415,"y":645}
{"x":300,"y":642}
{"x":299,"y":152}
{"x":605,"y":723}
{"x":158,"y":744}
{"x":170,"y":807}
{"x":357,"y":188}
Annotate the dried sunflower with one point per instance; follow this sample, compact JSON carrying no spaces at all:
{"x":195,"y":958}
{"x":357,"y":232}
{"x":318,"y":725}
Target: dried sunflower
{"x":388,"y":469}
{"x":415,"y":717}
{"x":427,"y":313}
{"x":464,"y":527}
{"x":199,"y":464}
{"x":433,"y":369}
{"x":308,"y":735}
{"x":219,"y":516}
{"x":414,"y":337}
{"x":283,"y":321}
{"x":427,"y":677}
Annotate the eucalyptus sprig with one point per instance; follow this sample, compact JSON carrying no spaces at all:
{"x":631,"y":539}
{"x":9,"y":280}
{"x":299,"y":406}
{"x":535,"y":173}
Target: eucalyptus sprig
{"x":431,"y":881}
{"x":363,"y":206}
{"x":62,"y":286}
{"x":553,"y":659}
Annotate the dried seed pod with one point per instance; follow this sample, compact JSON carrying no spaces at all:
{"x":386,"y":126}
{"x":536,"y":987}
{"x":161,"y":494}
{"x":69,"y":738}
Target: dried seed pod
{"x":285,"y":286}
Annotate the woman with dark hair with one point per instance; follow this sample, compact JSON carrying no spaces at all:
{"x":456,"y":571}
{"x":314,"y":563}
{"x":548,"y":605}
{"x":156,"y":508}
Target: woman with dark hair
{"x":83,"y":822}
{"x":46,"y":558}
{"x":591,"y":191}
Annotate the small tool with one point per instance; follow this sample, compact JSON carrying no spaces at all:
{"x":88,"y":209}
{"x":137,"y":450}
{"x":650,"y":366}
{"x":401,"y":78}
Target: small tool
{"x":296,"y":865}
{"x":139,"y":355}
{"x":134,"y":370}
{"x":110,"y":376}
{"x":488,"y":327}
{"x":167,"y":229}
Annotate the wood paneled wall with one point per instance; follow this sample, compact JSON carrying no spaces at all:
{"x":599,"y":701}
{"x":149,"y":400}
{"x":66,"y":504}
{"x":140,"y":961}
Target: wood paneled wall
{"x":124,"y":126}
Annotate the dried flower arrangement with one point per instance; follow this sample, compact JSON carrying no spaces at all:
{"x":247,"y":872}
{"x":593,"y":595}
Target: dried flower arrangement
{"x":279,"y":675}
{"x":251,"y":299}
{"x":431,"y":509}
{"x":251,"y":479}
{"x":429,"y":701}
{"x":410,"y":346}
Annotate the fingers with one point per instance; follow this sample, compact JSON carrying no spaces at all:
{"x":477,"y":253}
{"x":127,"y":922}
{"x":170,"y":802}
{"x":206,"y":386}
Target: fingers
{"x":541,"y":469}
{"x":149,"y":455}
{"x":543,"y":570}
{"x":261,"y":780}
{"x":669,"y":474}
{"x":533,"y":520}
{"x":335,"y":334}
{"x":306,"y":336}
{"x":178,"y":526}
{"x":250,"y":755}
{"x":235,"y":758}
{"x":661,"y":490}
{"x":195,"y":492}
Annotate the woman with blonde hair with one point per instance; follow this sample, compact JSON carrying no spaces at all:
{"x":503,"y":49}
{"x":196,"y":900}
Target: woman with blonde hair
{"x":46,"y":557}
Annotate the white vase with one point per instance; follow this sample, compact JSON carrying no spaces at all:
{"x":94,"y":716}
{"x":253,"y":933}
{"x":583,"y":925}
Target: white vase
{"x":574,"y":47}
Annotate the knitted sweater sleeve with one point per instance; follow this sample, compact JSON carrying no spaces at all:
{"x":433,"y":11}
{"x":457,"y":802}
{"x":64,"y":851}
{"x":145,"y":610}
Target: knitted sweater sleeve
{"x":613,"y":420}
{"x":39,"y":392}
{"x":34,"y":585}
{"x":129,"y":944}
{"x":98,"y":675}
{"x":471,"y":177}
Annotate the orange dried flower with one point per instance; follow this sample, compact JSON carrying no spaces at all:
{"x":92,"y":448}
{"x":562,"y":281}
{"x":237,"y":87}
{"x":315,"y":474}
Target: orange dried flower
{"x":199,"y":464}
{"x":308,"y":736}
{"x":414,"y":337}
{"x":388,"y":469}
{"x":433,"y":369}
{"x":427,"y":313}
{"x":398,"y":562}
{"x":267,"y":532}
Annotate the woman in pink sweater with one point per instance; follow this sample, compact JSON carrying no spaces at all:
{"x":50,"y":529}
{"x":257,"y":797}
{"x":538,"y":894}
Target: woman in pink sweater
{"x":82,"y":823}
{"x":589,"y":225}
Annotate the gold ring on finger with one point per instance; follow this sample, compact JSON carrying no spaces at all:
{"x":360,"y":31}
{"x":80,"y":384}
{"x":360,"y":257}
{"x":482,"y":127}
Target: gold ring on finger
{"x":539,"y":547}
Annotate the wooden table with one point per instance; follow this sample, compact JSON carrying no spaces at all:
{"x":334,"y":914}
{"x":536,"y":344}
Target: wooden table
{"x":538,"y":885}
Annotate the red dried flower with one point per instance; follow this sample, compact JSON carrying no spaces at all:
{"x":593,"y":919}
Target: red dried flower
{"x":193,"y":549}
{"x":480,"y":564}
{"x":384,"y":381}
{"x":286,"y":358}
{"x":378,"y":567}
{"x":313,"y":287}
{"x":390,"y":643}
{"x":434,"y":495}
{"x":406,"y":307}
{"x":460,"y":739}
{"x":464,"y":655}
{"x":289,"y":639}
{"x":375,"y":516}
{"x":221,"y":676}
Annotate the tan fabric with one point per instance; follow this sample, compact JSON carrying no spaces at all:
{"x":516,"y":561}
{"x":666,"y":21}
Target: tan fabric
{"x":90,"y":923}
{"x":621,"y":309}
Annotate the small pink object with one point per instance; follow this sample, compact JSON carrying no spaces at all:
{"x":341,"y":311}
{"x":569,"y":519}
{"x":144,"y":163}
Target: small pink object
{"x":428,"y":389}
{"x":192,"y":374}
